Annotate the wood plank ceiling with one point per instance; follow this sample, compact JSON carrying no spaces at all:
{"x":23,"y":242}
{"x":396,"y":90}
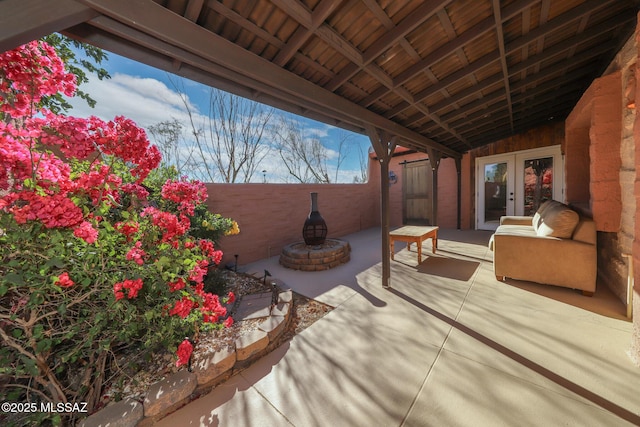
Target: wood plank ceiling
{"x":449,"y":75}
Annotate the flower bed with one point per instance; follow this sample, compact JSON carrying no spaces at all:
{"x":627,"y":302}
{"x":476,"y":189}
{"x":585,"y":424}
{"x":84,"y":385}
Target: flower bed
{"x":102,"y":252}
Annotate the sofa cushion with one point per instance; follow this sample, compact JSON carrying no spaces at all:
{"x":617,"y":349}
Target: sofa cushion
{"x":557,"y":220}
{"x":512,"y":230}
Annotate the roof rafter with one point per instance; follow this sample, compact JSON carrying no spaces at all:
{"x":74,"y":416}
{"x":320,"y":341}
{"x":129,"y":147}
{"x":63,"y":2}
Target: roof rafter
{"x":152,"y":18}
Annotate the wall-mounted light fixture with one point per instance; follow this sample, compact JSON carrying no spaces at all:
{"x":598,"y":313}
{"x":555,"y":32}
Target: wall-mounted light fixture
{"x":393,"y":178}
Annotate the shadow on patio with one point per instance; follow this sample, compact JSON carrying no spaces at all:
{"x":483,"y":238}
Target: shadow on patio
{"x":447,"y":345}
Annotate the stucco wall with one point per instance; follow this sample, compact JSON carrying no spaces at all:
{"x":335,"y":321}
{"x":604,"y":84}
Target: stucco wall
{"x":271,"y":216}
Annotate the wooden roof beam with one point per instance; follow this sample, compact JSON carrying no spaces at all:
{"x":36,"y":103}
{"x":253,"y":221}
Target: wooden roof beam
{"x":22,"y":21}
{"x":558,"y":22}
{"x":198,"y":70}
{"x":152,"y":18}
{"x":503,"y":58}
{"x":538,"y":33}
{"x":560,"y":48}
{"x":302,"y":33}
{"x":377,"y":48}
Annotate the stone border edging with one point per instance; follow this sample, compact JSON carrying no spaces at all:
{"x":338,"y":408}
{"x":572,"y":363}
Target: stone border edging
{"x":180,"y":388}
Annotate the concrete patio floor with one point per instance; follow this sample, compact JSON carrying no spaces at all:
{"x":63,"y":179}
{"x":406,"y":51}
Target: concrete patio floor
{"x":447,"y":345}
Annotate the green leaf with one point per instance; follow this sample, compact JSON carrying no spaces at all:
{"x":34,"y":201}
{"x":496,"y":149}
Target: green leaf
{"x":43,"y":345}
{"x":17,"y":333}
{"x":36,"y":299}
{"x":37,"y":331}
{"x":55,"y":262}
{"x":3,"y":289}
{"x":15,"y":279}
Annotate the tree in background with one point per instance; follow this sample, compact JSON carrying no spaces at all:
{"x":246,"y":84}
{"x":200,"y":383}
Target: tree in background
{"x":228,"y":143}
{"x":231,"y":142}
{"x":363,"y":161}
{"x":306,"y":159}
{"x":168,"y":136}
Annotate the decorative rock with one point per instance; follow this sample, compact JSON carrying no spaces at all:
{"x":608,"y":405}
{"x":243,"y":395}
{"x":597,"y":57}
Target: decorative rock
{"x":273,"y":326}
{"x":126,"y":413}
{"x":212,"y":365}
{"x":285,"y":297}
{"x":280,"y":310}
{"x":254,"y":306}
{"x":251,"y":343}
{"x":169,"y":392}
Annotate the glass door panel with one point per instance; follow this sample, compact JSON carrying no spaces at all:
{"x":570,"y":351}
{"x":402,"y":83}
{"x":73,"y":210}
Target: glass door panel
{"x":495,"y":191}
{"x":516,"y":183}
{"x":538,"y":183}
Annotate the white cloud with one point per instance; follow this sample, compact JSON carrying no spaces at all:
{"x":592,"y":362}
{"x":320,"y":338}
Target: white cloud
{"x":144,"y":100}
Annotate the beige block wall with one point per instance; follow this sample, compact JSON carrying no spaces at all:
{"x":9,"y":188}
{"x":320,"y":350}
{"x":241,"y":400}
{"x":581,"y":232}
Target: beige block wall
{"x":271,"y":216}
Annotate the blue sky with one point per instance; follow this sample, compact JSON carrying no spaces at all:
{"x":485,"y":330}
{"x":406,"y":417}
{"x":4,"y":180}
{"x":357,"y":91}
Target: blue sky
{"x":147,"y":96}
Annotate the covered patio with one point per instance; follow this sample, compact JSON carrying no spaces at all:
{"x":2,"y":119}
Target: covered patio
{"x":442,"y":343}
{"x":447,"y":345}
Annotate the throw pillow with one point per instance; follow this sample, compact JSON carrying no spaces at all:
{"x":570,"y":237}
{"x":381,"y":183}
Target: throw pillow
{"x":557,"y":220}
{"x":537,"y":217}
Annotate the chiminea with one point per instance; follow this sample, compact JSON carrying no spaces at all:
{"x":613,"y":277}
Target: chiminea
{"x":314,"y":231}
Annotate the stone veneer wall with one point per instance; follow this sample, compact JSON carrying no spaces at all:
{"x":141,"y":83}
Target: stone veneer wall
{"x":635,"y":341}
{"x":599,"y":136}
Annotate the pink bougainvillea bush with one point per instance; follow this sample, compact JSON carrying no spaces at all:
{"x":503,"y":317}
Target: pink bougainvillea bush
{"x":91,"y":264}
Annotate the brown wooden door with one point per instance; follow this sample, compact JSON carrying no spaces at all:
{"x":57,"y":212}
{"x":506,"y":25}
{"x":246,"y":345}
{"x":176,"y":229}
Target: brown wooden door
{"x":416,"y":194}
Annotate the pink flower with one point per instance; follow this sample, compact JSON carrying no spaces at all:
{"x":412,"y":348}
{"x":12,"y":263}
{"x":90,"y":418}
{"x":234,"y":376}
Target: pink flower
{"x":177,"y":285}
{"x":228,"y":322}
{"x":185,"y":349}
{"x":231,"y":298}
{"x":132,"y":287}
{"x":117,"y":291}
{"x":86,"y":232}
{"x":198,"y":272}
{"x":211,"y":308}
{"x":182,"y":308}
{"x":137,"y":190}
{"x":128,"y":228}
{"x":186,"y":194}
{"x":171,"y":225}
{"x":64,"y":281}
{"x":136,"y":254}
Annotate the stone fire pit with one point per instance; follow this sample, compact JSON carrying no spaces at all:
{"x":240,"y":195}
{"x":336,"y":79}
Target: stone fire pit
{"x":330,"y":254}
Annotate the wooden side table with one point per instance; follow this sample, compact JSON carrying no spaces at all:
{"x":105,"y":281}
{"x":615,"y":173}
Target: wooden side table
{"x":415,"y":234}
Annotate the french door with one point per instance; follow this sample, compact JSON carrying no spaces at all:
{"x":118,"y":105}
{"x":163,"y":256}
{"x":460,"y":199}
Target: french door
{"x":516,"y":184}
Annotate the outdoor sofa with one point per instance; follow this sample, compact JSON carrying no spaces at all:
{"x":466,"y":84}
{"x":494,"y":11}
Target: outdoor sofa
{"x":556,"y":246}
